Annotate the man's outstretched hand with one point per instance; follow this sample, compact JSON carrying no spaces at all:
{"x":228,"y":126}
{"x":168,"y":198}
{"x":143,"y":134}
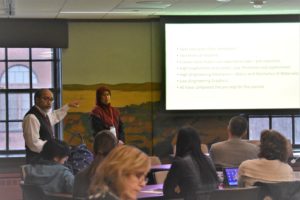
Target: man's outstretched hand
{"x":74,"y":104}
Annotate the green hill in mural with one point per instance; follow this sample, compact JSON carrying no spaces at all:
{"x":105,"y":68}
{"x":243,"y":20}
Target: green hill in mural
{"x":122,"y":86}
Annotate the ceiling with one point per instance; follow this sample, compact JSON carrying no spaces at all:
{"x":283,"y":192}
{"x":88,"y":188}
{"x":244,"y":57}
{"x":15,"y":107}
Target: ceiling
{"x":139,"y":9}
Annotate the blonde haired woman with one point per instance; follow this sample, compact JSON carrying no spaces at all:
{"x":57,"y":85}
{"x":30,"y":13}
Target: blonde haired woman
{"x":121,"y":175}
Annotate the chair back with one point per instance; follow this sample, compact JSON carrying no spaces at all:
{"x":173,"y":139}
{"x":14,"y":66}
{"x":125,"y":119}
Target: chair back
{"x":23,"y":169}
{"x":32,"y":192}
{"x":62,"y":196}
{"x":249,"y":193}
{"x":289,"y":190}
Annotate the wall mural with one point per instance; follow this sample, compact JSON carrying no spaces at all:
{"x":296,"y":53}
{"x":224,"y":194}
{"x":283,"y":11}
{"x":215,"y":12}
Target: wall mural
{"x":146,"y":125}
{"x":135,"y":102}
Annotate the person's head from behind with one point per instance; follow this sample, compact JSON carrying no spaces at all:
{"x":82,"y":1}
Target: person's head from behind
{"x":188,"y":141}
{"x":123,"y":172}
{"x":103,"y":95}
{"x":43,"y":98}
{"x":237,"y":127}
{"x":104,"y":142}
{"x":55,"y":150}
{"x":273,"y":146}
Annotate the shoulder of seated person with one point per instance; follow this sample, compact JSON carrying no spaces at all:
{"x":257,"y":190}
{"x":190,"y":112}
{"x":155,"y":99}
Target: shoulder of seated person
{"x":182,"y":159}
{"x":219,"y":143}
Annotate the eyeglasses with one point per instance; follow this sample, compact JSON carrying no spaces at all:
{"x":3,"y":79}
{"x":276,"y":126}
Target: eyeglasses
{"x":142,"y":177}
{"x":48,"y":99}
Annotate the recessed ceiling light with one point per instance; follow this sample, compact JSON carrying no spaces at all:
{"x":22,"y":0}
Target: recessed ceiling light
{"x":223,"y":0}
{"x":258,"y":3}
{"x":150,"y":2}
{"x":154,"y":3}
{"x":97,"y":12}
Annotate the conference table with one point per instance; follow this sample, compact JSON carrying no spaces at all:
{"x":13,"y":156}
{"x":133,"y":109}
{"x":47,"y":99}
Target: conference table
{"x":147,"y":193}
{"x":162,"y":167}
{"x":151,"y":192}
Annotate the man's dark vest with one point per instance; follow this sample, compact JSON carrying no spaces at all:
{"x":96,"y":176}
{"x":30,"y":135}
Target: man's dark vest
{"x":45,"y":132}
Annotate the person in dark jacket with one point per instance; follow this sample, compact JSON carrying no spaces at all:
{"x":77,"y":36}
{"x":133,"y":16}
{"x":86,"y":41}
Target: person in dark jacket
{"x":192,"y":174}
{"x":48,"y":172}
{"x":106,"y":117}
{"x":38,"y":122}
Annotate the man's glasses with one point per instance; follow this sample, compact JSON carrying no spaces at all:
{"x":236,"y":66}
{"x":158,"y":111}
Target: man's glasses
{"x":48,"y":99}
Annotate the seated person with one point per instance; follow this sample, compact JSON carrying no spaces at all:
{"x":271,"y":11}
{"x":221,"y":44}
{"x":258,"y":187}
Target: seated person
{"x":104,"y":142}
{"x":121,"y":175}
{"x":192,"y":173}
{"x":232,"y":152}
{"x":48,"y":172}
{"x":271,"y":165}
{"x":203,"y":147}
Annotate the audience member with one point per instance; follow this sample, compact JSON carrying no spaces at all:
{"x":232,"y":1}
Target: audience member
{"x":271,"y":165}
{"x":121,"y":175}
{"x":192,"y":173}
{"x":232,"y":152}
{"x":105,"y":117}
{"x":203,"y":147}
{"x":48,"y":172}
{"x":104,"y":142}
{"x":38,"y":122}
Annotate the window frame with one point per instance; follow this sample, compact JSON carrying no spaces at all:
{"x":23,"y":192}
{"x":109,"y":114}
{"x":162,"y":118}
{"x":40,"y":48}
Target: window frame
{"x":270,"y":118}
{"x":56,"y":89}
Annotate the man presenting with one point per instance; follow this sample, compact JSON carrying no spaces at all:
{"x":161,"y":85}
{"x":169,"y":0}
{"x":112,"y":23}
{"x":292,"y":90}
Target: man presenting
{"x":38,"y":122}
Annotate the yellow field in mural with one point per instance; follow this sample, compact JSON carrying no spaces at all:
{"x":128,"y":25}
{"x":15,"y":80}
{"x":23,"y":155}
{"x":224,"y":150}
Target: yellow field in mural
{"x":119,"y":98}
{"x":134,"y":101}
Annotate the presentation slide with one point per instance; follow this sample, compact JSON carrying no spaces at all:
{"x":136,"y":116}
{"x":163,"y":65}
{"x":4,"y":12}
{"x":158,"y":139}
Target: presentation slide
{"x":230,"y":66}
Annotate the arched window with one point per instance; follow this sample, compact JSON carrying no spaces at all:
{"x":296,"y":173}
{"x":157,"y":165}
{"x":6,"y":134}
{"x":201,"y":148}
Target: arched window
{"x":22,"y":72}
{"x":19,"y":74}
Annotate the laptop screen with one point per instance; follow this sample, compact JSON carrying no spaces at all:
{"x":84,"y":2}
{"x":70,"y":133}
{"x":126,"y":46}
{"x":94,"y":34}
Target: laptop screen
{"x":231,"y":176}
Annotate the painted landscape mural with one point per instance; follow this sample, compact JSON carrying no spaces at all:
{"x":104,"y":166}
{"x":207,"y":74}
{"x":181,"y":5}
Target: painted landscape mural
{"x":135,"y":102}
{"x":147,"y":126}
